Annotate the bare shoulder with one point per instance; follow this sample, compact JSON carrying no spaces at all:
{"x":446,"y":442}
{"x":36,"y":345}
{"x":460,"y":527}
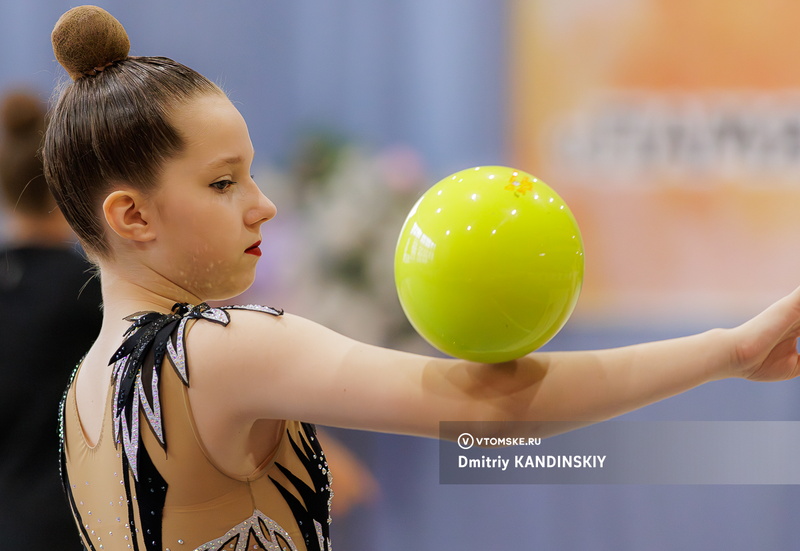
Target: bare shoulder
{"x":259,"y":358}
{"x":254,"y":339}
{"x":287,"y":367}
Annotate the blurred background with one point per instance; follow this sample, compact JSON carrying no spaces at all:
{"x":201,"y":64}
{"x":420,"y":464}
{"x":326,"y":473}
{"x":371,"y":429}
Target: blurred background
{"x":671,"y":127}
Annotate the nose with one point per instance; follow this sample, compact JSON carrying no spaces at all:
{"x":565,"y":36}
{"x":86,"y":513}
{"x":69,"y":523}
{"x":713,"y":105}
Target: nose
{"x":262,"y":210}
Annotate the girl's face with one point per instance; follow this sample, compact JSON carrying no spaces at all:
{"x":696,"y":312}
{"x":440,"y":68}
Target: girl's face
{"x":209,"y":210}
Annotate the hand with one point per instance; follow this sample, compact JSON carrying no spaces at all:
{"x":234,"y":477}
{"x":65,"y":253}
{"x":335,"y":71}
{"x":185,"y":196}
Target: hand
{"x":765,"y":348}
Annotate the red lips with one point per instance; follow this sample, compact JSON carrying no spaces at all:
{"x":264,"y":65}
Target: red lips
{"x":253,"y":249}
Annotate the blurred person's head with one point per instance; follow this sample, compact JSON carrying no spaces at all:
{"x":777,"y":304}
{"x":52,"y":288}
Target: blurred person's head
{"x":28,"y":204}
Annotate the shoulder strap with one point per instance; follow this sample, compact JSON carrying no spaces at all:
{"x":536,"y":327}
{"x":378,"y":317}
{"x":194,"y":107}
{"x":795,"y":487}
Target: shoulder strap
{"x":138,"y":362}
{"x":151,"y":337}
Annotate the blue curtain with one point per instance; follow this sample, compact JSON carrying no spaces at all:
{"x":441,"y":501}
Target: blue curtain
{"x":412,"y":72}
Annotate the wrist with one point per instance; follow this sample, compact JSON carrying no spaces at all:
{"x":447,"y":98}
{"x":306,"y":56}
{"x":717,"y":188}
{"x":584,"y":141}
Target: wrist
{"x":725,"y":360}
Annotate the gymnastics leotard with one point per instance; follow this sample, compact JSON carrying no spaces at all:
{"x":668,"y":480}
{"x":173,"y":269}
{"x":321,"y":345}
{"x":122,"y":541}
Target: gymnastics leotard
{"x":149,"y":484}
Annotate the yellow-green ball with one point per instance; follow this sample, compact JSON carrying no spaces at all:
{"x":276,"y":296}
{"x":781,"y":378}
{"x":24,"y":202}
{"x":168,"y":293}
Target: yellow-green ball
{"x":489,"y":264}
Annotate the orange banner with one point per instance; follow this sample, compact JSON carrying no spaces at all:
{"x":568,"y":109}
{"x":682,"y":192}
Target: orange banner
{"x":672,"y":129}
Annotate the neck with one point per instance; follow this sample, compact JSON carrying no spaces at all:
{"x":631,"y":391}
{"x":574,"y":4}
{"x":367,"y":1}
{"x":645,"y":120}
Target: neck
{"x":130,"y":290}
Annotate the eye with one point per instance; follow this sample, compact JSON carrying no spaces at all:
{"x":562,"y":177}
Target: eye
{"x":222,"y":185}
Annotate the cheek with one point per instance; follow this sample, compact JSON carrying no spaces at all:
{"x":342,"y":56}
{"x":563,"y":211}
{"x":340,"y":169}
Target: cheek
{"x":204,"y":243}
{"x":201,"y":245}
{"x":190,"y":227}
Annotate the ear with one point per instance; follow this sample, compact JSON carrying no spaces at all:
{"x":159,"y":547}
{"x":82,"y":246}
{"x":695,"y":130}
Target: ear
{"x":126,"y":212}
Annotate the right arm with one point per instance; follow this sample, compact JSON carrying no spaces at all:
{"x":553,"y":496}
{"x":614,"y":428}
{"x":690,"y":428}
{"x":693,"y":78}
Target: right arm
{"x":291,"y":368}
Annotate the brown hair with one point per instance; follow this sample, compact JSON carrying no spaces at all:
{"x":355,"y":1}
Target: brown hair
{"x":22,"y":116}
{"x":111,"y":123}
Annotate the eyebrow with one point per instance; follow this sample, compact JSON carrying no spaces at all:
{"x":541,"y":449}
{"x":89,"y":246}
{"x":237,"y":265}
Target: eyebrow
{"x":225,"y":161}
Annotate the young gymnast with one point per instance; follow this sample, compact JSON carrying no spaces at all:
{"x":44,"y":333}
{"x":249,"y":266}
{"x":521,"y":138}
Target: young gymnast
{"x":190,"y":427}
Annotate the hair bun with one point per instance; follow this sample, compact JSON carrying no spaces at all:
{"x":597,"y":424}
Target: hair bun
{"x":21,"y":113}
{"x":87,"y":39}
